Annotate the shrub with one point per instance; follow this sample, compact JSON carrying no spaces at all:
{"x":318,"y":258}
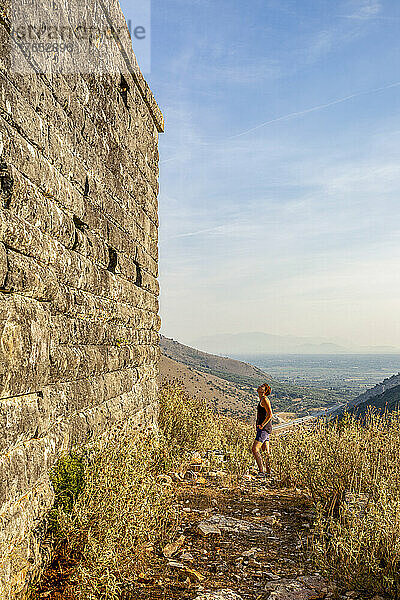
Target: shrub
{"x":350,"y":470}
{"x":68,"y":479}
{"x":188,"y":425}
{"x":122,"y":511}
{"x":111,"y":506}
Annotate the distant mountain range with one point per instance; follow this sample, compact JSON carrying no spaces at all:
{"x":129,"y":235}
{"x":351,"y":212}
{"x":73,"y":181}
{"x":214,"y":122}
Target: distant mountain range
{"x":236,"y":344}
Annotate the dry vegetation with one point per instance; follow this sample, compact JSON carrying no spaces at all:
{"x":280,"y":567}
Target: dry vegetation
{"x":222,"y":395}
{"x":113,"y":507}
{"x":351,"y":472}
{"x":187,"y":424}
{"x":114,"y":511}
{"x":121,"y":512}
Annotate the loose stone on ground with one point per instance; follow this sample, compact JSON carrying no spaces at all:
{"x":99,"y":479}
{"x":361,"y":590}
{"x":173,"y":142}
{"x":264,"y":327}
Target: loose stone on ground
{"x":205,"y":528}
{"x":221,"y":595}
{"x":303,"y":588}
{"x":242,"y":543}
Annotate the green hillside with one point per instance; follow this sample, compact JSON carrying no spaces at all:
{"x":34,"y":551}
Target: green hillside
{"x":246,"y":377}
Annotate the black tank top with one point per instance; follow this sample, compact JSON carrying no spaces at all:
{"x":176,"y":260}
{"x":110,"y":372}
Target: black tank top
{"x":261,"y":414}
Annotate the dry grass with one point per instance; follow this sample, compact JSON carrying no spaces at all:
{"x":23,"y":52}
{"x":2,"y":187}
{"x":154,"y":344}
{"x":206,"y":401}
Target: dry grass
{"x":122,"y":512}
{"x":351,"y":472}
{"x":188,"y":424}
{"x":113,"y":509}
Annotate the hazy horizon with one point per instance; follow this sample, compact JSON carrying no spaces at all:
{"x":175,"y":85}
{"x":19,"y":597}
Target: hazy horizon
{"x":261,"y":340}
{"x":259,"y":343}
{"x":280,"y":173}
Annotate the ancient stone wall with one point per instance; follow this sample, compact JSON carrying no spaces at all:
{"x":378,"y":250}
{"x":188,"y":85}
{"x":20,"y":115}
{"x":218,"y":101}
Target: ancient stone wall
{"x":78,"y":276}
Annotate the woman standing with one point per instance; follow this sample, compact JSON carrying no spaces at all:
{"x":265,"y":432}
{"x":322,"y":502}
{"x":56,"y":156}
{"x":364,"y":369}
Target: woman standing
{"x":264,"y":430}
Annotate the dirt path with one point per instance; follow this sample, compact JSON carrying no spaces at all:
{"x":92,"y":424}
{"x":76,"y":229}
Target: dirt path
{"x":247,"y":542}
{"x":257,"y":550}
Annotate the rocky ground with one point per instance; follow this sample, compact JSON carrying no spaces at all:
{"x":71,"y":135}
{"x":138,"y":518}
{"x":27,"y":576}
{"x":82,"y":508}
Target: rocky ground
{"x":243,"y":542}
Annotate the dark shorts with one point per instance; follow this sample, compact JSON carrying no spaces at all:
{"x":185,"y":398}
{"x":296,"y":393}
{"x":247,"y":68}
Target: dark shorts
{"x":262,"y":436}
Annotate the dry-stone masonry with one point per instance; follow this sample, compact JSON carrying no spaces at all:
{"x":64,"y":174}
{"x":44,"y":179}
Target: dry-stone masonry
{"x":78,"y":273}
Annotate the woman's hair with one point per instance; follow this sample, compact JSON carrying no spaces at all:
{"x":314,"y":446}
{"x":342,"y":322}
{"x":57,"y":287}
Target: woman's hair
{"x":264,"y":389}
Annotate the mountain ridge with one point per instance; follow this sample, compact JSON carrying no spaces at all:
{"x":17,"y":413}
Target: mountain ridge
{"x":257,"y":342}
{"x":201,"y":367}
{"x":377,"y":390}
{"x":383,"y":404}
{"x":381,"y":398}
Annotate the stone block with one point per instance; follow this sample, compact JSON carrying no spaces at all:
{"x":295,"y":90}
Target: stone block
{"x":24,"y":345}
{"x":28,"y":277}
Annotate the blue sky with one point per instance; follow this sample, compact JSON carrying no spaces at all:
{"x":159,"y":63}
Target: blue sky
{"x":280,"y":179}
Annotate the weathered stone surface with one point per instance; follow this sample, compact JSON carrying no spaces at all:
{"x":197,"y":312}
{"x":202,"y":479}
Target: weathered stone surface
{"x":237,"y":526}
{"x":20,"y":419}
{"x":303,"y":588}
{"x":173,"y":547}
{"x":205,"y":529}
{"x":24,"y":345}
{"x":30,"y":278}
{"x":219,"y":595}
{"x":78,"y":266}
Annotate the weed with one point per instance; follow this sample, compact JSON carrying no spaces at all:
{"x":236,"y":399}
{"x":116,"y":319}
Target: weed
{"x":112,"y":509}
{"x":188,"y":424}
{"x":68,"y":480}
{"x":122,"y":512}
{"x":350,"y":470}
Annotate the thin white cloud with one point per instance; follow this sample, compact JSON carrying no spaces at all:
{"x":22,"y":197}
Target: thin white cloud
{"x":219,"y":228}
{"x":321,"y":45}
{"x":365,"y":10}
{"x":317,"y":108}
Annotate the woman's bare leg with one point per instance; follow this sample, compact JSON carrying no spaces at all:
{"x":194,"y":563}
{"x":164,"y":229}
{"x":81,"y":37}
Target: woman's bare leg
{"x":256,"y":453}
{"x":265,"y":447}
